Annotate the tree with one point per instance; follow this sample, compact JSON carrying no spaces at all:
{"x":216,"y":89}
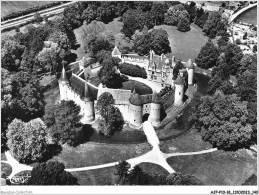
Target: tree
{"x":11,"y":53}
{"x":27,"y":141}
{"x":255,"y":48}
{"x":208,"y":56}
{"x":183,"y":25}
{"x":124,"y":44}
{"x":191,"y":9}
{"x":122,"y":170}
{"x":104,"y":100}
{"x":49,"y":57}
{"x":51,"y":173}
{"x":222,"y":120}
{"x":199,"y":13}
{"x":202,"y":20}
{"x":30,"y":102}
{"x":175,"y":13}
{"x":89,"y":14}
{"x":107,"y":74}
{"x":245,"y":36}
{"x":72,"y":15}
{"x":218,"y":83}
{"x":113,"y":121}
{"x":142,"y":42}
{"x":158,"y":11}
{"x":159,"y":41}
{"x":134,"y":20}
{"x":136,"y":176}
{"x":252,"y":180}
{"x":214,"y":25}
{"x":180,"y":179}
{"x":37,"y":17}
{"x":97,"y":38}
{"x":233,"y":56}
{"x":63,"y":120}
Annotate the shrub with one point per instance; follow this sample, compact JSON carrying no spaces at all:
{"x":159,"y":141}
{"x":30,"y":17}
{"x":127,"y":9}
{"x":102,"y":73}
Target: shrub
{"x":133,"y":70}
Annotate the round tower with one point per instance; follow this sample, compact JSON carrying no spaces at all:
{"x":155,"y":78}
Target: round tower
{"x":190,"y":70}
{"x":155,"y":108}
{"x":136,"y":110}
{"x":87,"y":106}
{"x":63,"y":85}
{"x":179,"y":89}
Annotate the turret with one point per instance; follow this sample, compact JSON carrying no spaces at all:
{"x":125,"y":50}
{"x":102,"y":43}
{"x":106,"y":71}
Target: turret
{"x":155,"y":108}
{"x":179,"y":89}
{"x":136,"y":110}
{"x":190,"y":69}
{"x":116,"y":52}
{"x":87,"y":105}
{"x":63,"y":85}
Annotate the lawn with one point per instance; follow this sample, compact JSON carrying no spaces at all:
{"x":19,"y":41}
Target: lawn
{"x":8,"y":7}
{"x":107,"y":176}
{"x":217,"y":168}
{"x":185,"y":45}
{"x":90,"y":154}
{"x":189,"y":142}
{"x":141,"y":88}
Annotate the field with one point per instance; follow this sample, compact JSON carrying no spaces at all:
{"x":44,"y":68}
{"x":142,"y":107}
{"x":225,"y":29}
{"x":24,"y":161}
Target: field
{"x":8,"y":7}
{"x":185,"y":45}
{"x":217,"y":168}
{"x":90,"y":154}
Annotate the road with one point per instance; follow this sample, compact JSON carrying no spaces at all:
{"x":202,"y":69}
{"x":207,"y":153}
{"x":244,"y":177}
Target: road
{"x":23,"y":19}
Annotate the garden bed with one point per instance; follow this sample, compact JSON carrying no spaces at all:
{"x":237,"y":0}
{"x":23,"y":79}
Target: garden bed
{"x":141,"y":88}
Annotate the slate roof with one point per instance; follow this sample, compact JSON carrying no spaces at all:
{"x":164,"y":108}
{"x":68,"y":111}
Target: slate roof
{"x":81,"y":88}
{"x":179,"y":80}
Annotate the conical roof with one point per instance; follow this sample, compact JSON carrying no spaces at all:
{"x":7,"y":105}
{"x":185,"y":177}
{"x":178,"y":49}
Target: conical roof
{"x":116,"y":51}
{"x":136,"y":100}
{"x":87,"y":95}
{"x":179,"y":80}
{"x":155,"y":97}
{"x":63,"y":77}
{"x":189,"y":64}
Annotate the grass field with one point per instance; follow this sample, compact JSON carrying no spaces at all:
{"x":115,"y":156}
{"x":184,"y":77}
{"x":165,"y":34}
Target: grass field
{"x":189,"y":142}
{"x":90,"y":154}
{"x":217,"y":168}
{"x":185,"y":45}
{"x":8,"y":7}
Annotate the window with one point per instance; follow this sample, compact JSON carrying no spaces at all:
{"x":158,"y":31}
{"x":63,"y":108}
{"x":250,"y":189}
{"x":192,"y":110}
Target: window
{"x":179,"y":93}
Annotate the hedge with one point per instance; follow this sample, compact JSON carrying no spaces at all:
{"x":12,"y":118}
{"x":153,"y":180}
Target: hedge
{"x":31,"y":10}
{"x":132,"y":70}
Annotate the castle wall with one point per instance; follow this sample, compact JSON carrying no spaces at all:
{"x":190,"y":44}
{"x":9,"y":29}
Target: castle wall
{"x":119,"y":95}
{"x":125,"y":111}
{"x":146,"y":108}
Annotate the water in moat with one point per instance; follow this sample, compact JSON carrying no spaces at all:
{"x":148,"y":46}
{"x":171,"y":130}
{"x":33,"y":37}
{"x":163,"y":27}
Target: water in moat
{"x":249,"y":16}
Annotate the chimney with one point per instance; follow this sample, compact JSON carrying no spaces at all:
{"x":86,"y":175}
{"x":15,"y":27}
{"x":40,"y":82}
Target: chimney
{"x":173,"y":62}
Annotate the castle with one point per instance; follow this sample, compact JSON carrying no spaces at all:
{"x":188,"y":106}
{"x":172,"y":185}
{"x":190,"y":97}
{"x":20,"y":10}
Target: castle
{"x":132,"y":105}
